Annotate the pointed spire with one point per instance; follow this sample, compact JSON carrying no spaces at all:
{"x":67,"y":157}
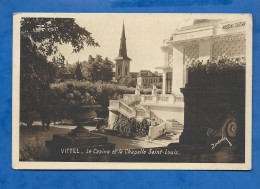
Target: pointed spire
{"x":123,"y":50}
{"x":123,"y":31}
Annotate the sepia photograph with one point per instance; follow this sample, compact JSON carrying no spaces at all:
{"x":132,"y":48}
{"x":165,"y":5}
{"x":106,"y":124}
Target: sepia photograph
{"x":132,"y":91}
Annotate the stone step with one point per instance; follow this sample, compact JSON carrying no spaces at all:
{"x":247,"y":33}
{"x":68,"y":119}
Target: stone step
{"x":177,"y":128}
{"x":177,"y":125}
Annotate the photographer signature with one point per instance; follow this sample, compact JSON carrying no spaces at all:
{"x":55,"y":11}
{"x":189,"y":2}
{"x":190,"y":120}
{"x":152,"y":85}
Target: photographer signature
{"x":214,"y":145}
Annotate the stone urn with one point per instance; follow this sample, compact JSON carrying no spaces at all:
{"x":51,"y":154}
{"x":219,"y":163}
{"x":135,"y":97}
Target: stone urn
{"x":80,"y":144}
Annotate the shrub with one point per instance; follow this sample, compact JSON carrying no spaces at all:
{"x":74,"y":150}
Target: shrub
{"x":34,"y":151}
{"x":69,"y":95}
{"x":218,"y":65}
{"x":130,"y":127}
{"x":221,"y":72}
{"x":85,"y":92}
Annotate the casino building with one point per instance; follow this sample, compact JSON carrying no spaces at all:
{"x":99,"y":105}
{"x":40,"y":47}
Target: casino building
{"x":200,"y":39}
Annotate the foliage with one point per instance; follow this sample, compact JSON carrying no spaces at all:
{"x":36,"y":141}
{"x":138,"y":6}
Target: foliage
{"x":78,"y":73}
{"x":40,"y":38}
{"x":36,"y":74}
{"x":70,"y":95}
{"x":128,"y":81}
{"x":34,"y":151}
{"x":218,"y":65}
{"x":99,"y":92}
{"x":51,"y":32}
{"x":70,"y":68}
{"x":98,"y":69}
{"x":59,"y":65}
{"x":130,"y":127}
{"x":221,"y":72}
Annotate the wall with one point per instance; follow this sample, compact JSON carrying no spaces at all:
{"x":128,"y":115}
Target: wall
{"x":205,"y":50}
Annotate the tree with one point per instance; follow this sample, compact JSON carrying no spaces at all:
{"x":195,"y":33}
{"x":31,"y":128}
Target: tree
{"x":98,"y":69}
{"x":59,"y":65}
{"x":70,"y":68}
{"x":128,"y":81}
{"x":106,"y":70}
{"x":40,"y":38}
{"x":78,"y":73}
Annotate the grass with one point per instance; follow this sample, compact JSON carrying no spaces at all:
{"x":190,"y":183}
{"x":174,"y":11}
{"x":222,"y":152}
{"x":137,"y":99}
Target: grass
{"x":32,"y":142}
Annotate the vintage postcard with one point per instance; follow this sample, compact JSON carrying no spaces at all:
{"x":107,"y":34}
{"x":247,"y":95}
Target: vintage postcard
{"x":132,"y":91}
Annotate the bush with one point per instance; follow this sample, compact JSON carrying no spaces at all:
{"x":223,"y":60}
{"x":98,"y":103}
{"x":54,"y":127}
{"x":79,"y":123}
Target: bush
{"x":34,"y":150}
{"x":130,"y":127}
{"x":69,"y":95}
{"x":85,"y":92}
{"x":219,"y":65}
{"x":222,"y":72}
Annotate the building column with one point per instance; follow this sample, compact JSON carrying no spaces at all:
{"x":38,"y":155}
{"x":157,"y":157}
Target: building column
{"x":164,"y":82}
{"x":178,"y":69}
{"x":165,"y":50}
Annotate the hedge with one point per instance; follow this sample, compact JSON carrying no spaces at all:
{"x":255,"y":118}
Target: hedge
{"x":85,"y":93}
{"x":130,"y":127}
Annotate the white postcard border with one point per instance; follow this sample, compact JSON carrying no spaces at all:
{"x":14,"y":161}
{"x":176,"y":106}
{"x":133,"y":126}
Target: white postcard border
{"x":16,"y":164}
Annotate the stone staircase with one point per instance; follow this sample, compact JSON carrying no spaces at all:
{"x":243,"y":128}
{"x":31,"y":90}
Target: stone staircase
{"x":130,"y":106}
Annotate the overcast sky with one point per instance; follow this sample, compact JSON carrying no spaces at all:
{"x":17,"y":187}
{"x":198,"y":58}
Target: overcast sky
{"x":144,"y":36}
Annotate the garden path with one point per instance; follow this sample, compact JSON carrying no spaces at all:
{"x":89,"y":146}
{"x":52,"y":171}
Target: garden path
{"x":126,"y":143}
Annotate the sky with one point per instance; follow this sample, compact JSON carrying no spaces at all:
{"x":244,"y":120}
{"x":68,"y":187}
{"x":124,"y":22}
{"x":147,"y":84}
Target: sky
{"x":144,"y":36}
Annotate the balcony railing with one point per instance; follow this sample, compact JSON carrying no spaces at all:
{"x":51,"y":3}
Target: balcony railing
{"x":167,"y":99}
{"x":179,"y":99}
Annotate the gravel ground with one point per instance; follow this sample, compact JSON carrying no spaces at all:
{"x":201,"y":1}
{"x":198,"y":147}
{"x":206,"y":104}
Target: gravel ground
{"x":30,"y":135}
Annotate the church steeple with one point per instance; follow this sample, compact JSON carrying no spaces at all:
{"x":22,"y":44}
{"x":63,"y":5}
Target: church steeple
{"x":123,"y":32}
{"x":122,"y":61}
{"x":122,"y":49}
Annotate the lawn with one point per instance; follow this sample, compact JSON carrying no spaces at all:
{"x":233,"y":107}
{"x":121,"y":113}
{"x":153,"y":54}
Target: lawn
{"x":32,"y":142}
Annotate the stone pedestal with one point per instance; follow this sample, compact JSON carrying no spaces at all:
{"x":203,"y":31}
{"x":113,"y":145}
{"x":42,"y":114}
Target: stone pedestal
{"x":154,"y":90}
{"x":213,"y":113}
{"x":137,"y":90}
{"x":111,"y":119}
{"x":79,"y":145}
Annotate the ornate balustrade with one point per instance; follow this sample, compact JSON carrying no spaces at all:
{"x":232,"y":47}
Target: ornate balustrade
{"x":156,"y":118}
{"x":126,"y":108}
{"x":121,"y":106}
{"x":156,"y":131}
{"x":179,"y":99}
{"x":130,"y":99}
{"x":147,"y":98}
{"x":158,"y":125}
{"x":140,"y":113}
{"x":126,"y":96}
{"x":114,"y":103}
{"x":159,"y":99}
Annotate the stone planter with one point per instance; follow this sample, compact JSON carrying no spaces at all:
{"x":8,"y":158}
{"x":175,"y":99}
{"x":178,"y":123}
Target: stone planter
{"x":79,"y":144}
{"x":81,"y":114}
